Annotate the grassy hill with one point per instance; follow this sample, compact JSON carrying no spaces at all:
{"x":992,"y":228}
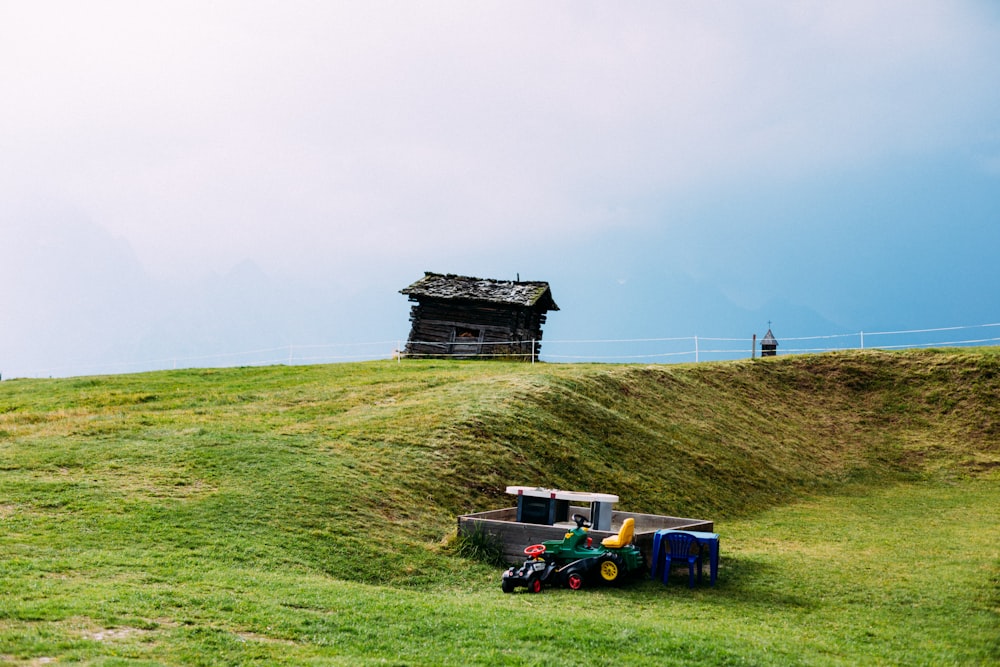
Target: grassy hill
{"x":202,"y":514}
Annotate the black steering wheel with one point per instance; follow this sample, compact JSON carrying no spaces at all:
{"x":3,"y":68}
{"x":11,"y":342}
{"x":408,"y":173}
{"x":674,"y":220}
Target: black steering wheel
{"x":581,"y":521}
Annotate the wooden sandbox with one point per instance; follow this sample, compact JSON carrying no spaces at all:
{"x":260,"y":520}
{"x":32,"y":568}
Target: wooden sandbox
{"x":516,"y":535}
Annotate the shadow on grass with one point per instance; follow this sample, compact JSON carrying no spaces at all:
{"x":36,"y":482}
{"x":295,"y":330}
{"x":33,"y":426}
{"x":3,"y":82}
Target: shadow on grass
{"x":743,"y":581}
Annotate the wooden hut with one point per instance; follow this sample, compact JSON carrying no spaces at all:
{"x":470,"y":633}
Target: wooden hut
{"x":459,"y":316}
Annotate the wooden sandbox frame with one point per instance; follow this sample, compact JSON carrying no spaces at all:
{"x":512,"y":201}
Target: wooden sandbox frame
{"x":515,"y":536}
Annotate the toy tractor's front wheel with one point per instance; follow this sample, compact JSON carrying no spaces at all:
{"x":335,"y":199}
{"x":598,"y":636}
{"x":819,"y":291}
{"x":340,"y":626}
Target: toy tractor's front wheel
{"x":611,"y":567}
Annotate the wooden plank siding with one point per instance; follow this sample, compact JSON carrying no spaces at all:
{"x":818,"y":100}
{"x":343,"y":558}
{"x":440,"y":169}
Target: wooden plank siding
{"x":500,"y":330}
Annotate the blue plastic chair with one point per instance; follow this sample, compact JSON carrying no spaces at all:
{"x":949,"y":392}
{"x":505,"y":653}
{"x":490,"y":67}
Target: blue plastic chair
{"x":680,"y":544}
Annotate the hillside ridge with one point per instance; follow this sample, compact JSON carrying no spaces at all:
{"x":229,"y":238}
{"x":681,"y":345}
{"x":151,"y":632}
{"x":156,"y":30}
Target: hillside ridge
{"x":359,"y":470}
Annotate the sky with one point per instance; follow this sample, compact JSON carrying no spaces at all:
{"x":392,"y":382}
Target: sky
{"x":195,"y":183}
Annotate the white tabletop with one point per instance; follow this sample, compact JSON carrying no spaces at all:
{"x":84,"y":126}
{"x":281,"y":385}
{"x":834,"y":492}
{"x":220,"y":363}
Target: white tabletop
{"x":578,"y":496}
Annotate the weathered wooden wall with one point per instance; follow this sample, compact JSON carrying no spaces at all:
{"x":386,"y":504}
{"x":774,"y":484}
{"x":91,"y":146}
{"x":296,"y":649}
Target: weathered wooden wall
{"x":503,"y":330}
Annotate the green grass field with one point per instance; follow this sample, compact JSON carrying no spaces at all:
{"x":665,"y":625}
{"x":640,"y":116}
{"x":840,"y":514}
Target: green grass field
{"x":306,"y":515}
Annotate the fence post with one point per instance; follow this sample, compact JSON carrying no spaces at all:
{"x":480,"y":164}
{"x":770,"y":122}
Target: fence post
{"x":753,"y":347}
{"x":862,"y":340}
{"x":532,"y":351}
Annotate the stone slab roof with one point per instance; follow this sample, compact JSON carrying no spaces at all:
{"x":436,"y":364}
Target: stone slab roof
{"x":530,"y":293}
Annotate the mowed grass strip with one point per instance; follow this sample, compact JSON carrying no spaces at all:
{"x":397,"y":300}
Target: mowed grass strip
{"x":285,"y":515}
{"x":846,"y":579}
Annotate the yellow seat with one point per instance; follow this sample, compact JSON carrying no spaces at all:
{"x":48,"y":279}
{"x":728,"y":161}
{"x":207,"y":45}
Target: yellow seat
{"x":624,"y":536}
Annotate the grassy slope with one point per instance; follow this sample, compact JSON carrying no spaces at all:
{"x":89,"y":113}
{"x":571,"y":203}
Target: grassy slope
{"x":174,"y":485}
{"x":722,"y":439}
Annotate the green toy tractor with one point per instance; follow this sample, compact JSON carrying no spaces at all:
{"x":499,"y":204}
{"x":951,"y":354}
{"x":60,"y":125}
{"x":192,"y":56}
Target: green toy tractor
{"x":574,"y":561}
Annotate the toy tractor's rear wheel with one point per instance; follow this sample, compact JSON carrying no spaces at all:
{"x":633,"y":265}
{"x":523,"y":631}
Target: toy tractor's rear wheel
{"x":574,"y":581}
{"x":611,"y":567}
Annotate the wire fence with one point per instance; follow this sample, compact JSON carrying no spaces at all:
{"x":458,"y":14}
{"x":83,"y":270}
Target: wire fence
{"x":703,"y":348}
{"x":625,"y":350}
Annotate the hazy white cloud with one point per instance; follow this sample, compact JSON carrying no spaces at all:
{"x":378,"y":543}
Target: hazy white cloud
{"x":321,"y":139}
{"x":206,"y":133}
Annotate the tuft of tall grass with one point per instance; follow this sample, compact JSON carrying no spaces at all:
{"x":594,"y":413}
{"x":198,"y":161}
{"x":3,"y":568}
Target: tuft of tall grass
{"x":480,"y":545}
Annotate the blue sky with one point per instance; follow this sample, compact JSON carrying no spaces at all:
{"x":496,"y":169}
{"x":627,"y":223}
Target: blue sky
{"x":182,"y":181}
